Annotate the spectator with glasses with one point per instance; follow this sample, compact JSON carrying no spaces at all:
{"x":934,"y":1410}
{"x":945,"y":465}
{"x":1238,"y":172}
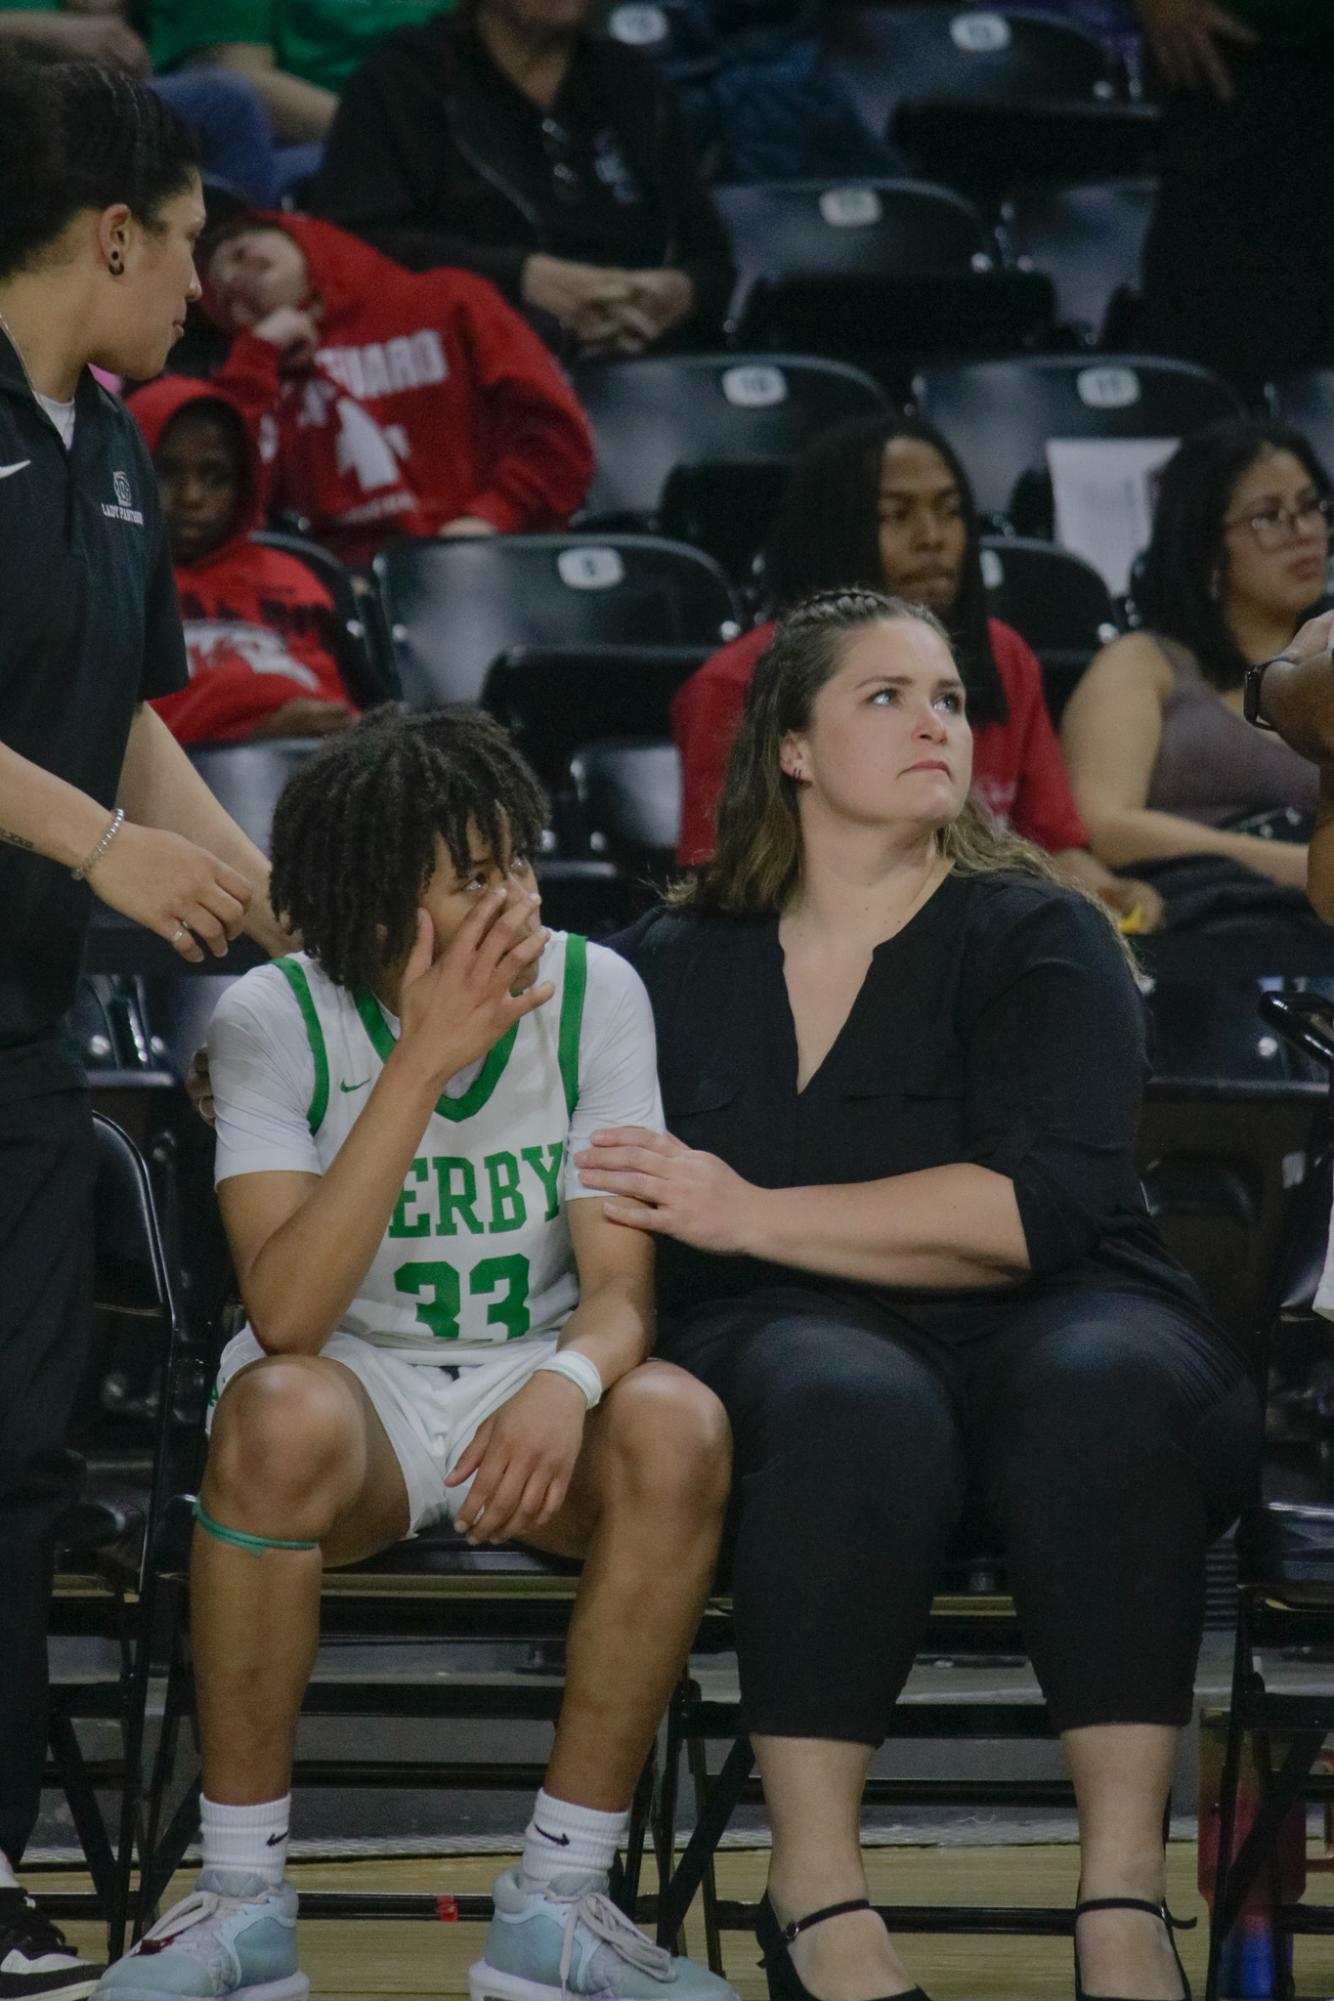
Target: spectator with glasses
{"x":1162,"y":762}
{"x":505,"y":140}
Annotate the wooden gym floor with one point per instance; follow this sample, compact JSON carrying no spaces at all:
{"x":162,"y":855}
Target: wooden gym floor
{"x":352,"y":1961}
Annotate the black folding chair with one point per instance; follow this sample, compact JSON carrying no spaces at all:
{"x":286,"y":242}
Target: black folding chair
{"x":553,"y":698}
{"x":105,"y":1585}
{"x":891,"y":57}
{"x":1285,"y":1598}
{"x":877,"y":272}
{"x":628,"y":795}
{"x":453,"y":608}
{"x":999,"y":415}
{"x":247,"y":778}
{"x":989,"y":150}
{"x":1054,"y":600}
{"x":432,"y":1587}
{"x":697,"y":445}
{"x":1090,"y":241}
{"x":367,"y":672}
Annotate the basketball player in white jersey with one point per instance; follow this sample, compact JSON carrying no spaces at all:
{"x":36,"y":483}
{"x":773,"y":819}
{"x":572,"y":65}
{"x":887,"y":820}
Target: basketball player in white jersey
{"x":441,"y":1324}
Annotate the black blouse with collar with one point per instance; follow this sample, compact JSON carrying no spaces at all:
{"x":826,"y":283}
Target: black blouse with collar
{"x":1001,"y":1026}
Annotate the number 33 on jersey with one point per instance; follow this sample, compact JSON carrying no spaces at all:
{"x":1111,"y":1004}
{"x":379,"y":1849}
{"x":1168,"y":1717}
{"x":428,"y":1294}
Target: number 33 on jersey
{"x":478,"y":1249}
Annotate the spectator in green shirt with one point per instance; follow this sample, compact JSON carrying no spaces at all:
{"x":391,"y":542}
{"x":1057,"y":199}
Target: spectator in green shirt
{"x":297,"y":53}
{"x":226,"y":118}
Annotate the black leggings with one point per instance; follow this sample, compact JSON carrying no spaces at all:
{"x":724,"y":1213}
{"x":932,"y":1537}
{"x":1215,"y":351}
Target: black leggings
{"x":1107,"y":1436}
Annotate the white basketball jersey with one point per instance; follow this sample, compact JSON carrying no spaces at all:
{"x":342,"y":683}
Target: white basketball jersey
{"x":477,"y":1255}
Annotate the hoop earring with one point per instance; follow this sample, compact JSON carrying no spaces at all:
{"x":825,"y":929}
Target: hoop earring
{"x":117,"y":264}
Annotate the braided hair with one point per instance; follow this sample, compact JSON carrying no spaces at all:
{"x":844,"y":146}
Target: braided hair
{"x":354,"y":834}
{"x":757,"y":867}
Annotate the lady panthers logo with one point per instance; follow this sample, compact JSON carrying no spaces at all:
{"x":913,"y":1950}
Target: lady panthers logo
{"x":124,"y":508}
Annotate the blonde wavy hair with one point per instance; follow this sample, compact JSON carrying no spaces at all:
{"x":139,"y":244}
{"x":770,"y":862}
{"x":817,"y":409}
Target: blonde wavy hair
{"x":757,"y":865}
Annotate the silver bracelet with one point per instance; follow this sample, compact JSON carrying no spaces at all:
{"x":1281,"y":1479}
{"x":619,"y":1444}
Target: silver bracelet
{"x":117,"y":822}
{"x":577,"y":1369}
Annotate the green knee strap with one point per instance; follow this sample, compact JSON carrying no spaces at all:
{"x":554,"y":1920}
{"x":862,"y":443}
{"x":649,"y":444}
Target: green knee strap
{"x":257,"y":1543}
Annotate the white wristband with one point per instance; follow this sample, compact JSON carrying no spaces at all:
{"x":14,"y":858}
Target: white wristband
{"x":577,"y":1369}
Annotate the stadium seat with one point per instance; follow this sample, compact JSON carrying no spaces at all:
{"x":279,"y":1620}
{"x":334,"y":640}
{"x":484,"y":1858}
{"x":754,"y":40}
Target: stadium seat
{"x":1054,"y":600}
{"x":985,"y":100}
{"x":669,"y":32}
{"x":875,"y":272}
{"x":454,"y":607}
{"x":110,"y":1024}
{"x":717,"y":417}
{"x":554,"y":698}
{"x":1090,"y":241}
{"x":247,"y":778}
{"x":999,"y":415}
{"x":629,"y":798}
{"x":890,"y":56}
{"x":989,"y":150}
{"x":367,"y":673}
{"x":1306,"y":401}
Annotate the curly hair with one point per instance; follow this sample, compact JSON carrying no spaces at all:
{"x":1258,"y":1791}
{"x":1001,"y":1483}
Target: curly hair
{"x":354,"y":834}
{"x":758,"y":862}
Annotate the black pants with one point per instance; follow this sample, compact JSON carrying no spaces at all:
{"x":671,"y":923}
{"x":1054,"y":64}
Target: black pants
{"x":47,"y":1166}
{"x":1239,"y":262}
{"x":1108,"y":1436}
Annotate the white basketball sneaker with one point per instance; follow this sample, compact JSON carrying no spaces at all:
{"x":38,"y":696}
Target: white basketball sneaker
{"x":567,"y":1939}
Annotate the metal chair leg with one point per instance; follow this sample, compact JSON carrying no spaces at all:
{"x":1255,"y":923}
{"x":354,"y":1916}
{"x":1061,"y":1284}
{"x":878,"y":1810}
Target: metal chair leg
{"x":1242,"y":1670}
{"x":641,"y":1811}
{"x":664,"y":1819}
{"x":697,"y":1752}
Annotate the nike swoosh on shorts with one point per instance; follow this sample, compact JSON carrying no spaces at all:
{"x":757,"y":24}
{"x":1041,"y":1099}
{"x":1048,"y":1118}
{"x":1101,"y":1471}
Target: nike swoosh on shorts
{"x":7,"y":472}
{"x":354,"y":1087}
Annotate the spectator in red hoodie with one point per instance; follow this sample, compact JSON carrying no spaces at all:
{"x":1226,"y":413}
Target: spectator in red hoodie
{"x":261,"y":630}
{"x":883,"y":503}
{"x":390,"y":402}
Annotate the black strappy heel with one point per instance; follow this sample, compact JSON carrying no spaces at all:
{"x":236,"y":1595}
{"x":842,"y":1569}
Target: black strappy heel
{"x":785,"y":1983}
{"x":1161,"y":1911}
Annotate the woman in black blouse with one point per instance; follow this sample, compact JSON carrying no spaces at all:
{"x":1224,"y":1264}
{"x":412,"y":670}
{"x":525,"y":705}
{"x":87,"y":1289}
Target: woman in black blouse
{"x":902,"y":1236}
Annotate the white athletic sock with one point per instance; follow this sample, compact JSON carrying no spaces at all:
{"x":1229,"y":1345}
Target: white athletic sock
{"x":8,"y":1880}
{"x":251,"y":1840}
{"x":565,"y":1840}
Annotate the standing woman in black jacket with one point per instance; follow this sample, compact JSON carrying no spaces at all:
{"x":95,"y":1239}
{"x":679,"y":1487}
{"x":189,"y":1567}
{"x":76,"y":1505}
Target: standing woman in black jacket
{"x":507,"y":141}
{"x":100,"y":204}
{"x":901,"y":1236}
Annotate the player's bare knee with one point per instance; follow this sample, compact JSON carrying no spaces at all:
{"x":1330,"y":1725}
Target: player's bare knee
{"x":281,"y":1433}
{"x":670,"y":1437}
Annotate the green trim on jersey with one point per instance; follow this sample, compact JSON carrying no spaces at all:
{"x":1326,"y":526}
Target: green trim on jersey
{"x":483,"y":1084}
{"x":572,"y":1016}
{"x":295,"y":977}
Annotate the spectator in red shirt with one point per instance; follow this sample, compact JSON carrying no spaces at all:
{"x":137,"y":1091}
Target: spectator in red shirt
{"x":261,"y":630}
{"x":390,"y":402}
{"x":883,"y":502}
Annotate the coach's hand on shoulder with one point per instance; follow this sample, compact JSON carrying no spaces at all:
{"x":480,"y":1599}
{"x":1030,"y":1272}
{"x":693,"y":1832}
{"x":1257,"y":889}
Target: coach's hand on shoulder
{"x":658,"y":1183}
{"x":523,"y":1457}
{"x":170,"y":886}
{"x":456,"y":1003}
